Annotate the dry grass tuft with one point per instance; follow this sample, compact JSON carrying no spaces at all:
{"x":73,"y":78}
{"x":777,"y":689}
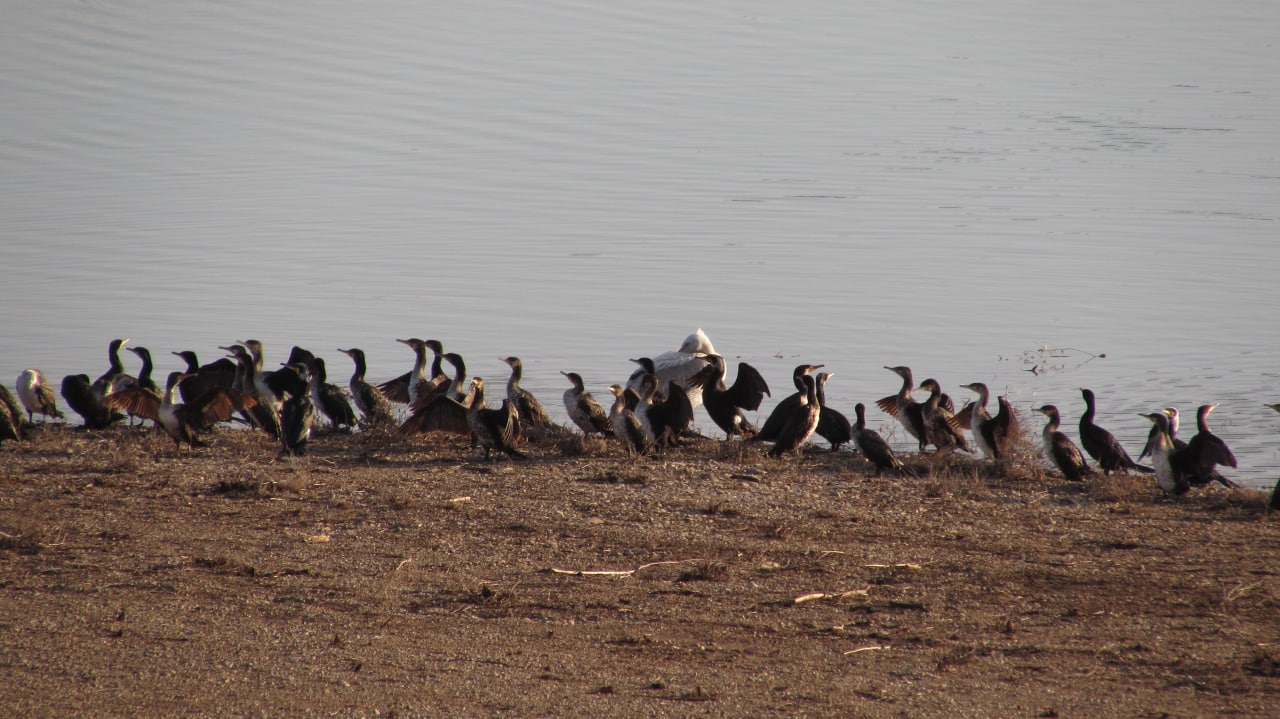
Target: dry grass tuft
{"x":704,"y":570}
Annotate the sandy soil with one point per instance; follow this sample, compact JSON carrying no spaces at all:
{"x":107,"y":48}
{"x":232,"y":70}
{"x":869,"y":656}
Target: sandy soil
{"x":410,"y":578}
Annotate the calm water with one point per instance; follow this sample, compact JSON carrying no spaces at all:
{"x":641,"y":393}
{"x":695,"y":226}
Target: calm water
{"x":949,"y":186}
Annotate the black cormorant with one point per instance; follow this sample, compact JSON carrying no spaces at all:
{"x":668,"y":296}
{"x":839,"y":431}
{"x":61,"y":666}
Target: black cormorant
{"x":200,"y":379}
{"x":10,"y":416}
{"x":1105,"y":449}
{"x":114,"y":378}
{"x":494,"y":429}
{"x":1060,"y":450}
{"x":298,"y":411}
{"x":1205,"y":452}
{"x":802,"y":421}
{"x":583,"y":409}
{"x":833,"y":426}
{"x":328,"y":398}
{"x":37,"y":396}
{"x":871,"y":444}
{"x":725,"y":404}
{"x":773,"y":425}
{"x":81,"y":396}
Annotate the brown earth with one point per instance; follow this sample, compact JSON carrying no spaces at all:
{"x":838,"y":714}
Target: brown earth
{"x":379,"y":577}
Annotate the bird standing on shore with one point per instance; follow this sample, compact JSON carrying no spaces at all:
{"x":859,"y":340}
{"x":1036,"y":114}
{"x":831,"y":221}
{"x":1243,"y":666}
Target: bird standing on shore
{"x":833,"y":426}
{"x":626,"y":426}
{"x":682,"y":365}
{"x":801,"y":423}
{"x":1060,"y":450}
{"x":494,"y":429}
{"x":940,"y":426}
{"x":777,"y":419}
{"x":583,"y":409}
{"x":871,"y":444}
{"x":1205,"y":452}
{"x":37,"y":396}
{"x":1105,"y":449}
{"x":1169,"y":477}
{"x":725,"y":404}
{"x":373,"y":405}
{"x":534,"y":422}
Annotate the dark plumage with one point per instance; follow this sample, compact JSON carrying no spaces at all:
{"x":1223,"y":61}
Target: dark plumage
{"x":777,"y":419}
{"x":1205,"y":452}
{"x":408,"y":387}
{"x":801,"y":423}
{"x":373,"y":405}
{"x":625,"y":424}
{"x":79,"y":393}
{"x":583,"y":409}
{"x":1105,"y":449}
{"x":328,"y":398}
{"x":264,"y":414}
{"x":904,"y":409}
{"x":941,"y":428}
{"x":1060,"y":450}
{"x":833,"y":426}
{"x":10,"y":416}
{"x":114,"y":378}
{"x":871,"y":444}
{"x":534,"y":422}
{"x":664,"y":417}
{"x":298,"y":412}
{"x":494,"y":429}
{"x":201,"y":379}
{"x":725,"y":404}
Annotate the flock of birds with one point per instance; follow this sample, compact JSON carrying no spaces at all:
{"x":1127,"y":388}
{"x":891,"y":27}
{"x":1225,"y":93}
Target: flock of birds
{"x":652,"y":410}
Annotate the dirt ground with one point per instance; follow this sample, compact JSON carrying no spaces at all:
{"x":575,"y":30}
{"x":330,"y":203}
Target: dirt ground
{"x":378,"y":577}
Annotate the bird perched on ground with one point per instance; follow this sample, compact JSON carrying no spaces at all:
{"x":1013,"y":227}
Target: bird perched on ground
{"x":903,"y":408}
{"x":183,"y":421}
{"x":583,"y":409}
{"x":203,"y":378}
{"x":624,"y":422}
{"x":725,"y":404}
{"x":773,"y":425}
{"x":10,"y":416}
{"x":115,"y":378}
{"x":1060,"y":450}
{"x":328,"y":398}
{"x":981,"y":423}
{"x":1169,"y":477}
{"x":801,"y":423}
{"x":373,"y":405}
{"x":78,"y":391}
{"x":297,"y":412}
{"x":534,"y":422}
{"x":37,"y":396}
{"x":494,"y":429}
{"x":941,"y":428}
{"x":871,"y":444}
{"x":1205,"y":452}
{"x":1105,"y":449}
{"x":832,"y":425}
{"x":664,"y":417}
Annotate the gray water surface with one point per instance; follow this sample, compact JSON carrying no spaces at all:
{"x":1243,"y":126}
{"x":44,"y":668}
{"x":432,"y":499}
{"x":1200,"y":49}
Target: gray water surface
{"x":961,"y":188}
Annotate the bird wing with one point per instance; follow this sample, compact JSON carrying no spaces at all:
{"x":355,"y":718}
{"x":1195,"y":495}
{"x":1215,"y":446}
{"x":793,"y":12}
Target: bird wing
{"x":396,"y":390}
{"x":443,"y":414}
{"x":217,"y":405}
{"x":749,"y":389}
{"x":889,"y":405}
{"x":964,"y":417}
{"x":137,"y":402}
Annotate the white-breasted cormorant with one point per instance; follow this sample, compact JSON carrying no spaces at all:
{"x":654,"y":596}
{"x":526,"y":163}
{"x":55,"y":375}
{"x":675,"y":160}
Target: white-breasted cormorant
{"x":664,"y":418}
{"x":373,"y":405}
{"x":941,"y":428}
{"x":1060,"y":450}
{"x":682,"y":365}
{"x":871,"y":444}
{"x":725,"y":404}
{"x":1105,"y":449}
{"x":833,"y":426}
{"x":981,"y":423}
{"x":1169,"y":477}
{"x":801,"y":423}
{"x":624,"y":422}
{"x":905,"y":409}
{"x":777,"y":418}
{"x":583,"y":409}
{"x":494,"y":429}
{"x":37,"y":396}
{"x":407,"y":388}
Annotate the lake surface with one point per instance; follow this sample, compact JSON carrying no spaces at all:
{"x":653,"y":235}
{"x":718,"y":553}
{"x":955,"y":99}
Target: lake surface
{"x":960,"y":188}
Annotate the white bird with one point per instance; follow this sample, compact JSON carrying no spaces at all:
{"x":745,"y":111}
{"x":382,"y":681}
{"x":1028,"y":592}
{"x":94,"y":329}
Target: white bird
{"x":682,"y":365}
{"x":37,"y":395}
